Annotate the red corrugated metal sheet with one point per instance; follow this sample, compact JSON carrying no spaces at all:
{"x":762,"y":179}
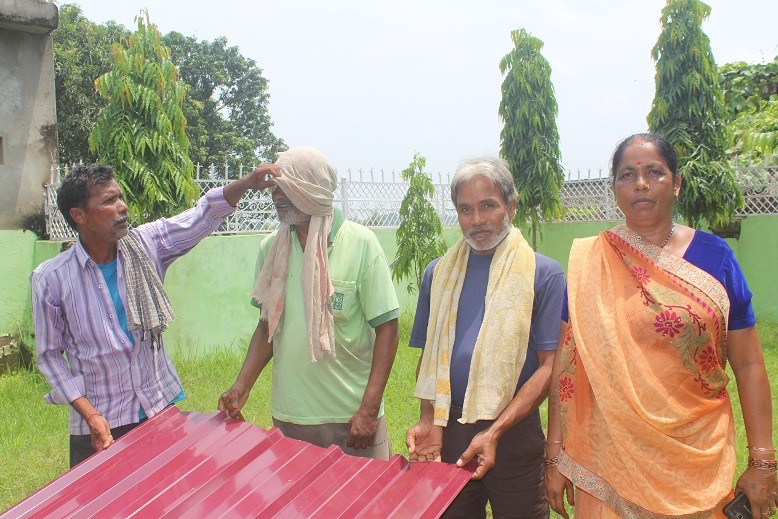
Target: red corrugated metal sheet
{"x":206,"y":465}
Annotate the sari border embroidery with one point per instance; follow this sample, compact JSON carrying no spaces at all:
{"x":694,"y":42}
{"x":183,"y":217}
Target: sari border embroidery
{"x":591,"y":483}
{"x":675,"y":266}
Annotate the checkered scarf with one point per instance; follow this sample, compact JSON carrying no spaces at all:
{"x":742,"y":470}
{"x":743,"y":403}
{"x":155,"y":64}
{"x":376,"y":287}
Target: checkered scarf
{"x":148,"y":305}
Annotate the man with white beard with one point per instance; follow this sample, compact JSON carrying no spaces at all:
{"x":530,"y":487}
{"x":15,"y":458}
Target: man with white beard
{"x":488,"y":321}
{"x":328,"y":316}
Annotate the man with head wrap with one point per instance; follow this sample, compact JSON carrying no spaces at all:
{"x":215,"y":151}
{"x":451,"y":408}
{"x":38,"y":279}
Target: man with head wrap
{"x":328,"y":316}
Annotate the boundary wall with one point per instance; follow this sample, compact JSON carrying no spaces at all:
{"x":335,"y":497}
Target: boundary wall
{"x":210,"y":286}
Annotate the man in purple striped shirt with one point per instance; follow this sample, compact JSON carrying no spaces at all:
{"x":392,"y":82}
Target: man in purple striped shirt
{"x":99,"y":307}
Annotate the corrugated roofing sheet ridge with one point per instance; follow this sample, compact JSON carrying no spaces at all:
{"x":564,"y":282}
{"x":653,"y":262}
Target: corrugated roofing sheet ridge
{"x":234,"y":483}
{"x":259,"y":502}
{"x":210,"y":467}
{"x":71,"y":489}
{"x":375,"y":493}
{"x":153,"y":451}
{"x":197,"y":465}
{"x":350,"y":497}
{"x":309,"y":477}
{"x":341,"y":473}
{"x":417,"y":504}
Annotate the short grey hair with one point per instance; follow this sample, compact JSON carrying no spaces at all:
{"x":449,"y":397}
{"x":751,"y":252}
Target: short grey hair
{"x":493,"y":168}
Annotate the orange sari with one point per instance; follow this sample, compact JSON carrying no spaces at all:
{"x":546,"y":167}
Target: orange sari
{"x":646,"y":419}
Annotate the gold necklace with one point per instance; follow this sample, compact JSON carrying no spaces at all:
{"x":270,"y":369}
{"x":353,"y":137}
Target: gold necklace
{"x":670,"y":235}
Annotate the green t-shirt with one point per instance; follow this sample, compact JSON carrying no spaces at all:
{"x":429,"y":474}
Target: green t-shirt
{"x":330,"y":390}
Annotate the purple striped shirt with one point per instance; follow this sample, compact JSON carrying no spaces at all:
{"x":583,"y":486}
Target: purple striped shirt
{"x":81,"y":347}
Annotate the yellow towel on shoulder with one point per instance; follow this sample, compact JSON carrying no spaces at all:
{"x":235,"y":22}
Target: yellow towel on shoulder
{"x":501,"y":347}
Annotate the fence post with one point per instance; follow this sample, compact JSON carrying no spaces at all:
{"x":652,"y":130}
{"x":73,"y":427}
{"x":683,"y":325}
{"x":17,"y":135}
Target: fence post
{"x":344,"y":196}
{"x":442,"y":199}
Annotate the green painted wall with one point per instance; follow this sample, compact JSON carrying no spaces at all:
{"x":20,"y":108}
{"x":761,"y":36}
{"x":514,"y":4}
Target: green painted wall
{"x":554,"y":239}
{"x":209,"y":289}
{"x":16,"y":251}
{"x":757,"y":253}
{"x":210,"y":286}
{"x":387,"y":239}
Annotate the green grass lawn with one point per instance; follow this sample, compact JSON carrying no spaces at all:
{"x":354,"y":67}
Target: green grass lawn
{"x":34,"y":441}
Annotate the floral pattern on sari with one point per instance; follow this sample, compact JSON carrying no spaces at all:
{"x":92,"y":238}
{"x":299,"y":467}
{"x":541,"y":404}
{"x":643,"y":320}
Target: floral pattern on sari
{"x":684,"y":329}
{"x":567,"y":377}
{"x":645,"y":418}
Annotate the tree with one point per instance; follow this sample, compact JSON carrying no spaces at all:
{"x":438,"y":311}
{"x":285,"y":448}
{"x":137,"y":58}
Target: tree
{"x":529,"y":140}
{"x":689,"y":111}
{"x":141,"y":131}
{"x":82,"y":53}
{"x":420,"y":235}
{"x":751,"y":96}
{"x":227,"y":108}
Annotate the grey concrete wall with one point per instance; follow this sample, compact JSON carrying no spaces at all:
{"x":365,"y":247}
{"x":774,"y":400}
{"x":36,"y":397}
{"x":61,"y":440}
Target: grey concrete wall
{"x":28,"y":134}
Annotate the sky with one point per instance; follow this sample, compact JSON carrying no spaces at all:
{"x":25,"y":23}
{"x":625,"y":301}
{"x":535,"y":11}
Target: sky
{"x":369,"y":83}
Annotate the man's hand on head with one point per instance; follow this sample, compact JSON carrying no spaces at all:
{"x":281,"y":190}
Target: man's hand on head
{"x":263,"y":176}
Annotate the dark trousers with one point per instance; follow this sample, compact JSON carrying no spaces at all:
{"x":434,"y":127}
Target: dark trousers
{"x":81,"y":444}
{"x":326,"y":434}
{"x":514,"y":486}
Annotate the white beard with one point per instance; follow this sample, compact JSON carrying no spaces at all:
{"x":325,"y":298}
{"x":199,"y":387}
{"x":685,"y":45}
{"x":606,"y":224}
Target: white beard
{"x":497,"y":237}
{"x":291,"y":215}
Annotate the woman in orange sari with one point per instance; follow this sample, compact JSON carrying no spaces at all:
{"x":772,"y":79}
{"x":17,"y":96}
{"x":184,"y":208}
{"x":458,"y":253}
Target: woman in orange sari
{"x":640,"y":421}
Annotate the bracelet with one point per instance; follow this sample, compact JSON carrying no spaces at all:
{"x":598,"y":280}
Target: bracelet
{"x":762,"y":464}
{"x":92,"y":416}
{"x":760,"y":449}
{"x":553,"y":442}
{"x":551,"y":462}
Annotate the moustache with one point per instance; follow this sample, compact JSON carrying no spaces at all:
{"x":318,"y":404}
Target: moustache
{"x":481,"y":228}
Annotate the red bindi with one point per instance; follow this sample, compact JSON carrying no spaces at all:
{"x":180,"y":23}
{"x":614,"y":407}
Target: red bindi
{"x":639,"y":163}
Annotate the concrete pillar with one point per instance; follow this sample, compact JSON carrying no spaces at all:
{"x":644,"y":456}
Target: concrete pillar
{"x":28,"y":119}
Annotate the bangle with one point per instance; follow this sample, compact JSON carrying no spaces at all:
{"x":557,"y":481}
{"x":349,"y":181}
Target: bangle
{"x":762,"y":464}
{"x":551,"y":462}
{"x":553,"y":442}
{"x":760,"y":449}
{"x":92,"y":416}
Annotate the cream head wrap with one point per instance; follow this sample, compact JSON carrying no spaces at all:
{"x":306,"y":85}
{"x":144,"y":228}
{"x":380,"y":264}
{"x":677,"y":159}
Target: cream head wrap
{"x":309,"y":181}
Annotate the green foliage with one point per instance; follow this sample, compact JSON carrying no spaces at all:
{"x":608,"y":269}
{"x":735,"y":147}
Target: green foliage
{"x":420,"y":235}
{"x":689,"y":111}
{"x":751,"y":95}
{"x":227,"y":103}
{"x":226,"y":109}
{"x":755,"y":133}
{"x":746,"y":85}
{"x":141,"y":131}
{"x":82,"y":53}
{"x":529,"y":140}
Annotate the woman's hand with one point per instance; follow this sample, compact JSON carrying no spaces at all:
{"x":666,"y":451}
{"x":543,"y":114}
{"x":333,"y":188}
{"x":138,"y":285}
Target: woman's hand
{"x":761,"y":489}
{"x":556,"y":486}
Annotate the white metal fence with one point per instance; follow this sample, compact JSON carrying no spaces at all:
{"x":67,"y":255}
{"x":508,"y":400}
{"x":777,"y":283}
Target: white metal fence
{"x":373,"y":198}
